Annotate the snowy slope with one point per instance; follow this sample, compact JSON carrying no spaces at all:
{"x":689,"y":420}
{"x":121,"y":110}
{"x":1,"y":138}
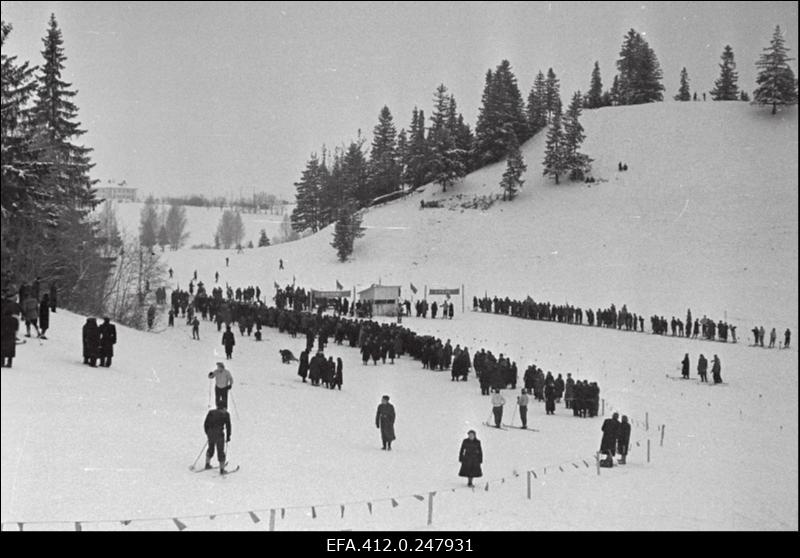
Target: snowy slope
{"x":82,"y":444}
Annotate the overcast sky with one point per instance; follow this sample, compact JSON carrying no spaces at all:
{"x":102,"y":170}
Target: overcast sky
{"x":223,"y":98}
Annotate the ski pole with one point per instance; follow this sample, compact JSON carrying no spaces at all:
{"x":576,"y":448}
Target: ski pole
{"x":514,"y":414}
{"x":489,"y":418}
{"x":198,"y":455}
{"x":210,"y":382}
{"x":236,"y":410}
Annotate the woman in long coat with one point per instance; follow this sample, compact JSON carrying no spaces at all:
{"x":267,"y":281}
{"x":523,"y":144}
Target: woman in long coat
{"x":91,"y":342}
{"x":384,"y":419}
{"x":302,"y":367}
{"x":471,"y":457}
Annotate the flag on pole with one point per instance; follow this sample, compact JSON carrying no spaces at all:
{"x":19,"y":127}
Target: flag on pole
{"x":339,"y":286}
{"x":413,"y":288}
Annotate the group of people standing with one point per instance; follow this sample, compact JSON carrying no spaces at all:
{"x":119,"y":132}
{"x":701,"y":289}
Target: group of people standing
{"x":702,"y":368}
{"x":320,"y":371}
{"x":616,"y":438}
{"x":98,"y":342}
{"x":758,"y":336}
{"x":33,"y":308}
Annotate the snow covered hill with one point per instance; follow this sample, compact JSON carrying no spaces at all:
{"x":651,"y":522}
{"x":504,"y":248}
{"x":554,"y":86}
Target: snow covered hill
{"x":705,"y":218}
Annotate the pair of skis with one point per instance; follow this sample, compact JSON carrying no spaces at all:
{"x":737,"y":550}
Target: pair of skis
{"x":507,"y":426}
{"x":194,"y":469}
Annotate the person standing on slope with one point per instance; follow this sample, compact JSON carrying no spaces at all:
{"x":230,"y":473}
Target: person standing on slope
{"x":623,"y":439}
{"x":685,"y":366}
{"x":497,"y":407}
{"x":609,"y":441}
{"x":471,"y":457}
{"x":787,"y":336}
{"x":702,"y":368}
{"x":108,"y":338}
{"x":228,"y":341}
{"x":384,"y":419}
{"x":716,"y":370}
{"x":223,"y":380}
{"x":218,"y":431}
{"x":522,"y":401}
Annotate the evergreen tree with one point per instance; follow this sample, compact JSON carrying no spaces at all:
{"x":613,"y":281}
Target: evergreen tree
{"x":725,"y":88}
{"x":576,"y":162}
{"x":594,"y":99}
{"x":263,"y":240}
{"x":355,"y":184}
{"x":175,"y":225}
{"x":402,"y":155}
{"x":54,"y":117}
{"x":776,"y":81}
{"x":537,"y":110}
{"x":515,"y":166}
{"x":416,"y":157}
{"x":383,"y":169}
{"x":555,"y":163}
{"x":347,"y":229}
{"x":552,"y":97}
{"x":148,"y":223}
{"x":446,"y":159}
{"x":501,"y":113}
{"x":162,"y":237}
{"x":639,"y":72}
{"x":683,"y":91}
{"x":614,"y":93}
{"x":307,"y":209}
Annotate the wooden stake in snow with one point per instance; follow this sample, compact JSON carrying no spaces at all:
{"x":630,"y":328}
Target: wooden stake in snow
{"x":430,"y":507}
{"x":647,"y":421}
{"x":597,"y":460}
{"x":648,"y":450}
{"x":663,"y":427}
{"x":603,"y":407}
{"x":272,"y":520}
{"x":529,"y":485}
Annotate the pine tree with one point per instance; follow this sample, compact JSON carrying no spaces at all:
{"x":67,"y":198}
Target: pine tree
{"x":175,"y":225}
{"x":725,"y":88}
{"x":347,"y":229}
{"x":614,"y":93}
{"x":417,"y":152}
{"x":552,"y":97}
{"x":383,"y":169}
{"x":355,"y":183}
{"x":502,"y":112}
{"x":307,"y":210}
{"x":594,"y":99}
{"x":148,"y":223}
{"x":515,"y":167}
{"x":683,"y":91}
{"x":555,"y":163}
{"x":576,"y":162}
{"x":263,"y":240}
{"x":639,"y":72}
{"x":54,"y":117}
{"x":446,"y":160}
{"x":776,"y":81}
{"x":537,"y":111}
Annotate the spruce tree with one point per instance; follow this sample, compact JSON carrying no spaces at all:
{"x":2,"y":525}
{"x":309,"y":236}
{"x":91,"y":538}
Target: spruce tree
{"x":416,"y":157}
{"x":552,"y":97}
{"x":347,"y":229}
{"x":515,"y":167}
{"x":639,"y":72}
{"x":263,"y":240}
{"x":555,"y":163}
{"x":54,"y":117}
{"x":683,"y":91}
{"x":776,"y":81}
{"x":576,"y":162}
{"x":447,"y":161}
{"x":307,"y":209}
{"x":537,"y":111}
{"x":725,"y":88}
{"x":614,"y":92}
{"x":355,"y":183}
{"x":384,"y":172}
{"x":594,"y":99}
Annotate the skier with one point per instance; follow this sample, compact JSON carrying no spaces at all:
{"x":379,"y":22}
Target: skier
{"x":497,"y":407}
{"x":170,"y":273}
{"x":227,"y":261}
{"x":470,"y":456}
{"x":30,"y":310}
{"x":108,"y":338}
{"x":716,"y":370}
{"x":623,"y":439}
{"x":685,"y":364}
{"x":218,"y":430}
{"x":761,"y":335}
{"x":773,"y":336}
{"x":384,"y":420}
{"x":522,"y":401}
{"x":223,"y":380}
{"x":702,"y":368}
{"x":280,"y":264}
{"x":196,"y":328}
{"x":609,"y":441}
{"x":228,"y":341}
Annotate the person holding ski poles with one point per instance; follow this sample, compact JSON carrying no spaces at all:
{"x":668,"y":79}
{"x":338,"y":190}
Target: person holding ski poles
{"x":218,"y":430}
{"x":497,"y":407}
{"x":224,"y":383}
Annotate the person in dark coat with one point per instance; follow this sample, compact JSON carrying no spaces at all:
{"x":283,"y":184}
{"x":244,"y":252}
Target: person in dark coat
{"x":702,"y":368}
{"x":53,"y":296}
{"x":329,"y":373}
{"x":610,"y":432}
{"x":218,"y":430}
{"x":151,"y":316}
{"x":623,"y":439}
{"x":384,"y":419}
{"x":787,"y":337}
{"x":44,"y":315}
{"x":315,"y":368}
{"x":108,"y":338}
{"x":91,"y":342}
{"x":550,"y":397}
{"x":228,"y":341}
{"x":569,"y":391}
{"x":471,"y":457}
{"x":716,"y":370}
{"x":8,"y":338}
{"x":685,"y":366}
{"x":302,"y":367}
{"x":337,"y":378}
